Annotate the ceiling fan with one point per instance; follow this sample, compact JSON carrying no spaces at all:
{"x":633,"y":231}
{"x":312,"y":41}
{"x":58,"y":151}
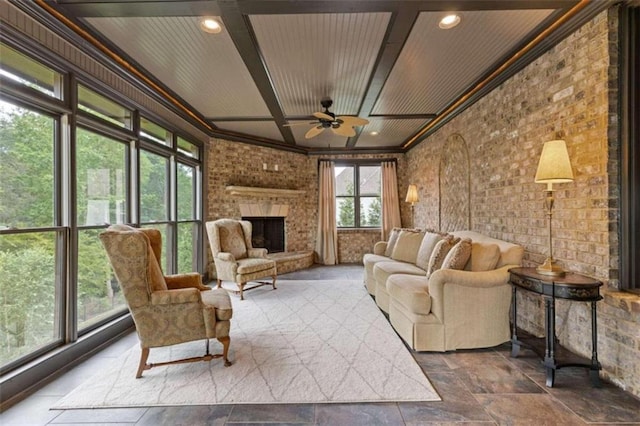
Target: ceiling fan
{"x":342,"y":125}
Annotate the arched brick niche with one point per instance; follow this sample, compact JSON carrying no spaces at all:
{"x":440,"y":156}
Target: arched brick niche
{"x":454,"y":185}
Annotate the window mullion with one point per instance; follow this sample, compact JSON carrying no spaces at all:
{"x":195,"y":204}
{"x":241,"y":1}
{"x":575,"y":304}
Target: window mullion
{"x":356,"y":195}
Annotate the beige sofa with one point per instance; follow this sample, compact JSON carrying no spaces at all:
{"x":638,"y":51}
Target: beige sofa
{"x":441,"y":309}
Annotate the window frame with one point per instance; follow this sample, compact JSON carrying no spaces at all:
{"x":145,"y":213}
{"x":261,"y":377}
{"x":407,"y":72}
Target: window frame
{"x":629,"y":130}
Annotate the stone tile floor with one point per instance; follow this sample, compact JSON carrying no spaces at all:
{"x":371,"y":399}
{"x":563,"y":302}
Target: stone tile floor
{"x":478,"y":387}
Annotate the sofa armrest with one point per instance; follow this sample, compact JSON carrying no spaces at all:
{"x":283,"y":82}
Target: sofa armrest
{"x":227,"y":257}
{"x":473,"y":280}
{"x":171,"y":297}
{"x":189,"y":280}
{"x":379,"y":248}
{"x":257,"y":252}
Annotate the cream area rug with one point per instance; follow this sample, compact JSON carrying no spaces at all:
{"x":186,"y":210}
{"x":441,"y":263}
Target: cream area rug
{"x":306,"y":342}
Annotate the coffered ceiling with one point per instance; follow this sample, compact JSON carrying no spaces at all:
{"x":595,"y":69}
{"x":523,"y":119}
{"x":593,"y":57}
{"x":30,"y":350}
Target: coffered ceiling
{"x":260,"y":79}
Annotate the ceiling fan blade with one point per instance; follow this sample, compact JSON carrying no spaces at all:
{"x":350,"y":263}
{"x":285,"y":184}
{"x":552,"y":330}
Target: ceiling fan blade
{"x":314,"y":131}
{"x":343,"y":130}
{"x":352,"y":121}
{"x":323,"y":116}
{"x":306,"y":123}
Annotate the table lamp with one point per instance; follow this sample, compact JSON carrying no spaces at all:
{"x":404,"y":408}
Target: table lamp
{"x":554,"y":167}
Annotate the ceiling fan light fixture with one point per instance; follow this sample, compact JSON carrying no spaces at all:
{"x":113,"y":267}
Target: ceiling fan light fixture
{"x":449,"y":21}
{"x":210,"y":25}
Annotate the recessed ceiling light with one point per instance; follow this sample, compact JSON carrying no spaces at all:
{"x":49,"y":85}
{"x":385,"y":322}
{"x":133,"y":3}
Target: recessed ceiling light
{"x":449,"y":21}
{"x":374,"y":133}
{"x":210,"y":25}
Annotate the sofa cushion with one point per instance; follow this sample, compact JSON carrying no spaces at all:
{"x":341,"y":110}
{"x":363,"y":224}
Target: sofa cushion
{"x":427,"y":245}
{"x":406,"y":247}
{"x":411,"y":291}
{"x":458,"y":256}
{"x":393,"y":238}
{"x":484,"y":257}
{"x":440,"y":252}
{"x":382,"y":270}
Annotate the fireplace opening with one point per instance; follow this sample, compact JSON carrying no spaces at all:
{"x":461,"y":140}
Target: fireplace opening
{"x":268,"y":232}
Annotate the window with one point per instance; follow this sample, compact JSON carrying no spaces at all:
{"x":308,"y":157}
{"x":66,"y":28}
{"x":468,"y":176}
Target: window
{"x":187,"y":215}
{"x":26,"y":71}
{"x":30,"y":248}
{"x":358,"y":196}
{"x":103,"y":108}
{"x":101,"y":200}
{"x":154,"y":132}
{"x":187,"y":148}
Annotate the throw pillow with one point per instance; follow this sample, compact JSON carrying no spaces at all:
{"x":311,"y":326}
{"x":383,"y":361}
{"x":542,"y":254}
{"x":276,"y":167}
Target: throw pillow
{"x":426,"y":248}
{"x":484,"y":256}
{"x":440,"y":252}
{"x":458,"y":256}
{"x":393,"y":238}
{"x":391,"y":242}
{"x":406,"y":247}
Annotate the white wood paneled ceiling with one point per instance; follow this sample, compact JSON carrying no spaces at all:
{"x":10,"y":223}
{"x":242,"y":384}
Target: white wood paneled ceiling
{"x":263,"y":76}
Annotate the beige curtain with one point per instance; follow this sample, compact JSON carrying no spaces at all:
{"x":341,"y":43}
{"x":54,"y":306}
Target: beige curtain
{"x":390,"y":201}
{"x":327,"y":237}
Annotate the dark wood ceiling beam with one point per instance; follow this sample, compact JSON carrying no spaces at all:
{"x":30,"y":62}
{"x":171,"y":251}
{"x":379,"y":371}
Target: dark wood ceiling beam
{"x":124,"y":8}
{"x":403,"y":116}
{"x":397,"y":34}
{"x":359,"y":6}
{"x":138,"y":8}
{"x":239,"y":119}
{"x":244,"y":39}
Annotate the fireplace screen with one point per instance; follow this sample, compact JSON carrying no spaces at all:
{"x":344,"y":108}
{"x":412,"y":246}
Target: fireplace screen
{"x":268,"y":232}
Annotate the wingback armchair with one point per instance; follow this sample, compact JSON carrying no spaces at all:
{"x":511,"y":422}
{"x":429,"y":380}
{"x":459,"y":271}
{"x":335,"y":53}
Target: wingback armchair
{"x":234,"y":256}
{"x":166,"y":310}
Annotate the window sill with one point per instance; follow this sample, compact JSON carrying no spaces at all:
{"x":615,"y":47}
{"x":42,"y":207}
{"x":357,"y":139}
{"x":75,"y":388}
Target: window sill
{"x":352,"y":230}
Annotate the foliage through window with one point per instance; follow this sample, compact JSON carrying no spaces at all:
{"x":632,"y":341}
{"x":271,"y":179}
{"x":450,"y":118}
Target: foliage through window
{"x":358,"y":196}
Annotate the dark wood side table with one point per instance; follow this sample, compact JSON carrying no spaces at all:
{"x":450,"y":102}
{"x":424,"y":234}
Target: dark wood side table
{"x":573,"y":287}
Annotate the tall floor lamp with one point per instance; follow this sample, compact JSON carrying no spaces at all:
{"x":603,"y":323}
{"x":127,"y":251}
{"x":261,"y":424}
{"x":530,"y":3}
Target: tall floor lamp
{"x":412,"y":197}
{"x":554,"y":167}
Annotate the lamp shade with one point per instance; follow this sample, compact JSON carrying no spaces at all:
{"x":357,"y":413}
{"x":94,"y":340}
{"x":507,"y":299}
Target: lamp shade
{"x":554,"y":165}
{"x":412,"y":194}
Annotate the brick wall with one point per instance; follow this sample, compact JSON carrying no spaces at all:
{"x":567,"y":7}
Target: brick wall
{"x":233,"y":163}
{"x":565,"y":93}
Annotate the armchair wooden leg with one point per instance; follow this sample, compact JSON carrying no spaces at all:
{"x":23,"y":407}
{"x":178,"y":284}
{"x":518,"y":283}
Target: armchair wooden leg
{"x":219,"y":284}
{"x":225,"y":349}
{"x":143,"y":362}
{"x":241,"y":287}
{"x":274,"y":281}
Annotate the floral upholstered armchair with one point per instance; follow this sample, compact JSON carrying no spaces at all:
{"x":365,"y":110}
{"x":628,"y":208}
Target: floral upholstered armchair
{"x":166,"y":310}
{"x":234,"y":256}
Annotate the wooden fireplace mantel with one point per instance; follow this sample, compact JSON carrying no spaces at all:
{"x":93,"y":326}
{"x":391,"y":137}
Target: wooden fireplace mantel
{"x":263,"y":192}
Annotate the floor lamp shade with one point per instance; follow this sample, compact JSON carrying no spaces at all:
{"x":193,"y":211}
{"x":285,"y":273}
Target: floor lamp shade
{"x":554,"y":167}
{"x":412,"y":194}
{"x":412,"y":197}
